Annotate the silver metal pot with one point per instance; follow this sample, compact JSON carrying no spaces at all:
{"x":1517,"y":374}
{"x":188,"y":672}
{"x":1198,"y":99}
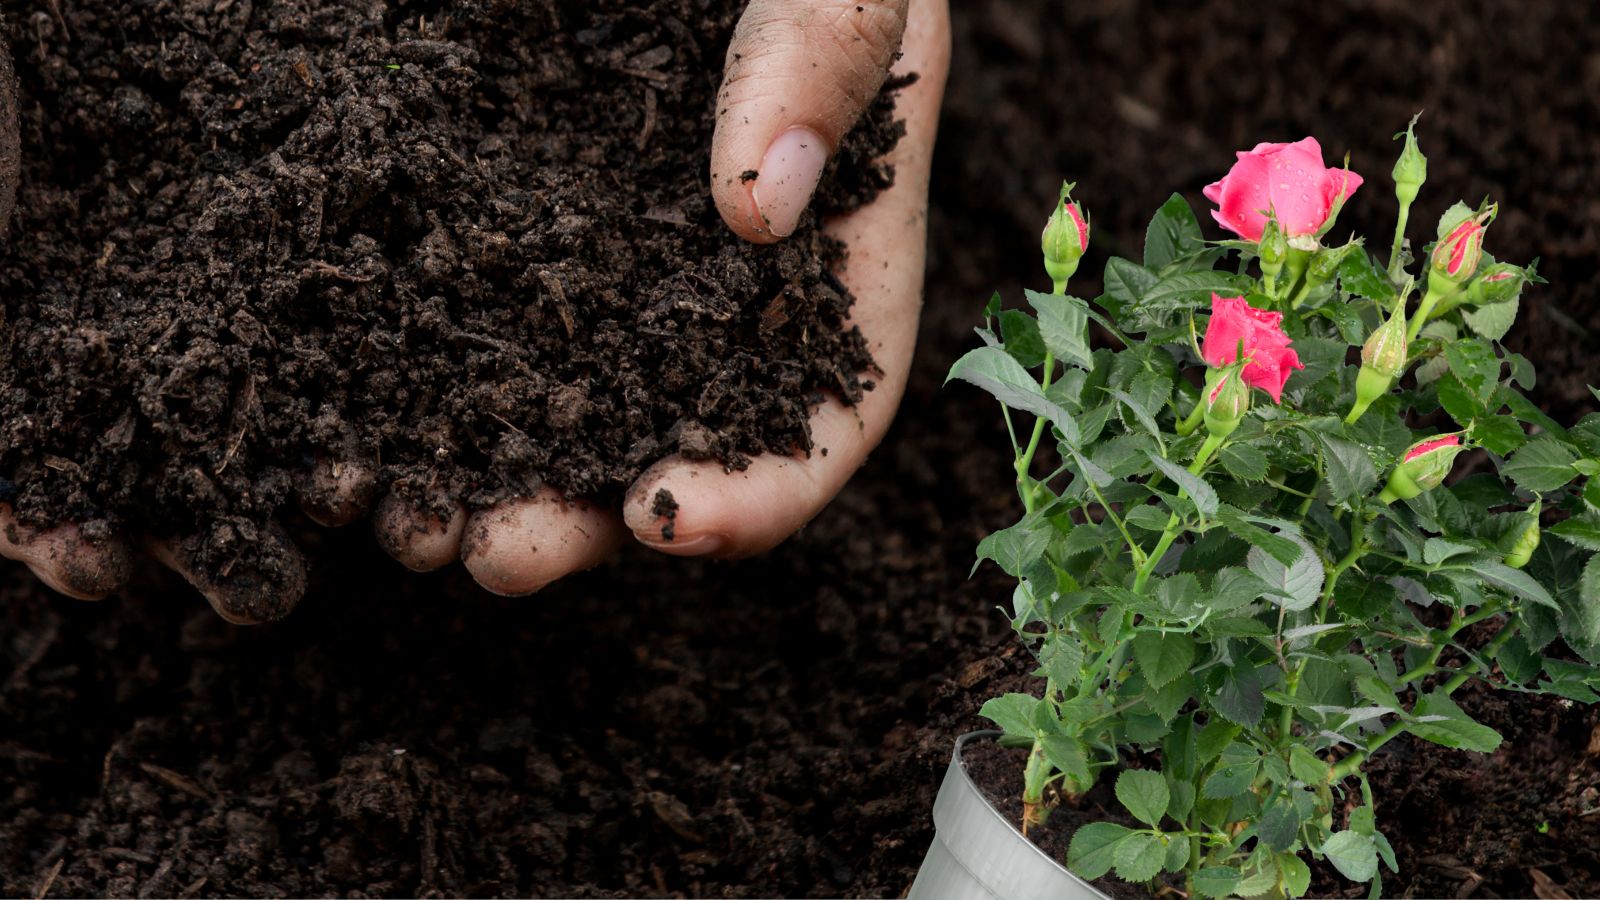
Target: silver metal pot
{"x":978,"y":855}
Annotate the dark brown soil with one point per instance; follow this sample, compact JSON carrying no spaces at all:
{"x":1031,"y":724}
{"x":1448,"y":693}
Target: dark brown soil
{"x":779,"y":726}
{"x":468,"y":244}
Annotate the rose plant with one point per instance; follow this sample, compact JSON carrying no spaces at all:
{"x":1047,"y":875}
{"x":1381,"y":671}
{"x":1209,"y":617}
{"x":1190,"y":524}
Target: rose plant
{"x":1242,"y":564}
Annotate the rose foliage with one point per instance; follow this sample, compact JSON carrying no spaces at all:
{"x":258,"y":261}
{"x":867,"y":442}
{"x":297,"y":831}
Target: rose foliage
{"x":1281,"y":501}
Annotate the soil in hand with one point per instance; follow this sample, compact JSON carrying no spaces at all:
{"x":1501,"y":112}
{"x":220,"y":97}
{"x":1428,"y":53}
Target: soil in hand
{"x":467,"y":244}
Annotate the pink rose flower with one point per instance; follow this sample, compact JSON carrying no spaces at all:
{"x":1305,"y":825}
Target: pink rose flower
{"x":1289,"y":180}
{"x":1423,"y":448}
{"x":1234,"y":323}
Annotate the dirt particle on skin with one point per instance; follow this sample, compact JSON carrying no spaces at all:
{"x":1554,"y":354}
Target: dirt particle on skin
{"x":665,"y":506}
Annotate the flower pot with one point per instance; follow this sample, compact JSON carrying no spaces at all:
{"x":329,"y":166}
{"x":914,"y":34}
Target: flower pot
{"x":978,"y":855}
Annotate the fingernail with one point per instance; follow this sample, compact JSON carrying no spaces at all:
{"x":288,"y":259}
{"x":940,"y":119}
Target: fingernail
{"x":704,"y":545}
{"x":788,"y":178}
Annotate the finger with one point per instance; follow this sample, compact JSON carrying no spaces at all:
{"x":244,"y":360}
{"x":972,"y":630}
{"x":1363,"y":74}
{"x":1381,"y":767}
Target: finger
{"x":336,"y":493}
{"x":521,"y":546}
{"x":798,"y":74}
{"x":418,"y":539}
{"x":64,"y":559}
{"x":265,"y":589}
{"x":723,"y":514}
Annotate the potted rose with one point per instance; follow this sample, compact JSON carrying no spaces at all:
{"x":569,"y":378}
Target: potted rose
{"x":1245,"y":566}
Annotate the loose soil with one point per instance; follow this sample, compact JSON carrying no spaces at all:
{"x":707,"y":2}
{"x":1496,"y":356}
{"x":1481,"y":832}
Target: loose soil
{"x":779,"y":726}
{"x":467,"y":244}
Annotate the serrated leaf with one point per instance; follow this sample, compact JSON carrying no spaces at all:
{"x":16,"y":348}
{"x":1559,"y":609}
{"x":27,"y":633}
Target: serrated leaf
{"x":1232,"y":588}
{"x":1163,"y":656}
{"x":1475,"y":365}
{"x":1067,"y":755}
{"x":1580,"y":620}
{"x":1518,"y":661}
{"x":1360,"y":275}
{"x":1499,"y":434}
{"x":1126,"y":283}
{"x":1177,"y":849}
{"x":1582,"y":531}
{"x":1173,"y":233}
{"x":1494,"y":320}
{"x":1243,"y":462}
{"x":1022,"y":339}
{"x":1233,"y":774}
{"x":1279,"y":825}
{"x":1543,"y":464}
{"x":1294,"y":587}
{"x":1060,"y":660}
{"x":1203,"y":495}
{"x":1141,"y":415}
{"x":995,"y":371}
{"x":1350,"y":472}
{"x":1307,"y":766}
{"x":1064,"y":327}
{"x":1140,"y":857}
{"x":1013,"y":549}
{"x":1144,"y":793}
{"x":1191,"y":290}
{"x":1513,"y":581}
{"x":1012,"y":713}
{"x":1353,"y":854}
{"x":1449,"y":726}
{"x":1216,"y":881}
{"x":1459,"y":401}
{"x":1239,"y":698}
{"x":1278,"y":546}
{"x":1295,"y":873}
{"x":1093,"y":850}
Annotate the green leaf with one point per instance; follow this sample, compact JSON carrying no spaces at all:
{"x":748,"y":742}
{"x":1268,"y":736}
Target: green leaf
{"x":1296,"y":874}
{"x":1144,"y":793}
{"x":1239,"y":698}
{"x":1163,"y":656}
{"x":1450,"y":726}
{"x":1233,"y":773}
{"x":1126,"y":284}
{"x":1361,"y":276}
{"x":1580,"y":621}
{"x":1475,"y":365}
{"x":1307,"y":767}
{"x":1278,"y":546}
{"x":1543,"y":465}
{"x":1060,"y":659}
{"x":1014,"y":549}
{"x":1519,"y":661}
{"x":1203,"y":495}
{"x":1494,"y":320}
{"x":1244,"y":462}
{"x":1140,"y":857}
{"x":1294,"y":587}
{"x":995,"y":371}
{"x":1459,"y":401}
{"x":1280,"y":824}
{"x":1022,"y":339}
{"x":1093,"y":850}
{"x":1514,"y":581}
{"x":1216,"y":881}
{"x":1064,"y":326}
{"x":1582,"y":531}
{"x":1177,"y":846}
{"x":1499,"y":434}
{"x":1013,"y":713}
{"x":1232,"y":588}
{"x":1140,"y":413}
{"x":1457,"y":213}
{"x":1191,"y":290}
{"x":1353,"y":854}
{"x":1067,"y":755}
{"x":1350,"y":472}
{"x":1173,"y":233}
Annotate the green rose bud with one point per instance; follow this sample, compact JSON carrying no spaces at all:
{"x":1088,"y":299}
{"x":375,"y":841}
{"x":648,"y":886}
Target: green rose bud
{"x":1523,"y":539}
{"x":1498,"y":283}
{"x":1274,"y":249}
{"x":1424,"y":467}
{"x":1065,"y":238}
{"x":1226,"y":399}
{"x":1411,"y":169}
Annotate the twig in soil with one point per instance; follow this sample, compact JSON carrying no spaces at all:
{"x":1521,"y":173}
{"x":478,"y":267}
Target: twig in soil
{"x":50,"y":879}
{"x":649,"y":126}
{"x":194,"y":888}
{"x":174,"y":780}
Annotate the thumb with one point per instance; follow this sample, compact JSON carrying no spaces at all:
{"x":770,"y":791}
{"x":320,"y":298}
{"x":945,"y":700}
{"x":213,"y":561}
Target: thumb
{"x":798,"y":74}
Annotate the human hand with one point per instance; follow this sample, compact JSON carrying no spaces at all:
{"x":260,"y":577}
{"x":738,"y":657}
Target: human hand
{"x":799,"y":73}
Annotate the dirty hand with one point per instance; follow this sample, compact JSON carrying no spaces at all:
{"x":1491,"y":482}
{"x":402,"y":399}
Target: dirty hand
{"x":799,"y":73}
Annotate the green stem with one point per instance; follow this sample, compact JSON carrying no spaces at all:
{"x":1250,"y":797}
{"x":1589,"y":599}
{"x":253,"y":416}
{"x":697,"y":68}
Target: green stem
{"x":1196,"y":416}
{"x":1438,"y":289}
{"x":1349,"y":764}
{"x":1170,"y":533}
{"x":1025,"y":484}
{"x":1399,"y":239}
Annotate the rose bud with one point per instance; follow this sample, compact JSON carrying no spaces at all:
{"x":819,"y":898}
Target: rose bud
{"x":1497,"y":284}
{"x":1523,"y":538}
{"x":1456,"y":256}
{"x":1235,"y":324}
{"x":1065,"y":238}
{"x":1423,"y":467}
{"x":1411,"y":169}
{"x":1383,"y":357}
{"x":1226,"y":399}
{"x":1287,"y":181}
{"x":1274,"y":249}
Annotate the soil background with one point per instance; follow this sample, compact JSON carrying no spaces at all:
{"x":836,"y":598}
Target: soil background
{"x":779,"y":726}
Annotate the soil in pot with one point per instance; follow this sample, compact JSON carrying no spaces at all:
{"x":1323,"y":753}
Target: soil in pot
{"x":467,"y":244}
